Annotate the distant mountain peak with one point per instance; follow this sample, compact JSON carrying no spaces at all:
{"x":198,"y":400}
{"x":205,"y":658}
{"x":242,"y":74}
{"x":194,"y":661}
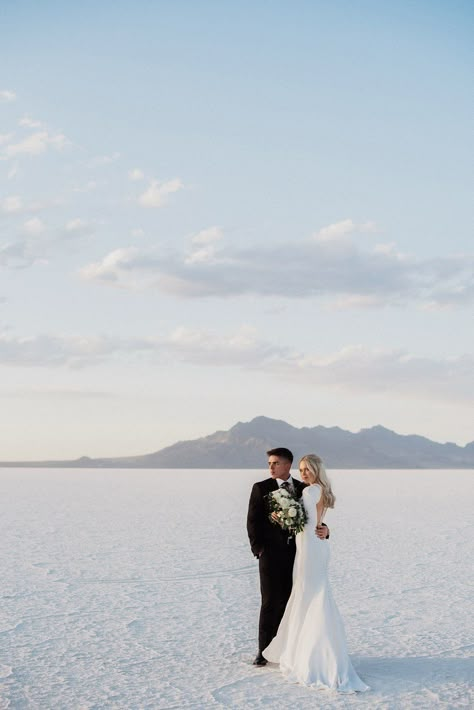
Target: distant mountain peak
{"x":378,"y":427}
{"x":262,"y":420}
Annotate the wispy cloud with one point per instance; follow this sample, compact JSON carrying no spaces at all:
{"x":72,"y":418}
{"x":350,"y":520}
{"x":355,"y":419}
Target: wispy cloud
{"x":36,"y":144}
{"x":28,"y":122}
{"x":11,"y":204}
{"x":19,"y":254}
{"x":241,"y":348}
{"x":7,"y":96}
{"x":354,"y":369}
{"x":37,"y":242}
{"x":14,"y":205}
{"x":34,"y":226}
{"x":49,"y":350}
{"x":77,"y":227}
{"x":109,"y":269}
{"x":205,"y":245}
{"x":341,"y":272}
{"x":367,"y":370}
{"x":136,"y":174}
{"x":104,"y":159}
{"x":341,"y":229}
{"x":158,"y":193}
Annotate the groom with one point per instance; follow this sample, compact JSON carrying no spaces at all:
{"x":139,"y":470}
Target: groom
{"x":273,"y":547}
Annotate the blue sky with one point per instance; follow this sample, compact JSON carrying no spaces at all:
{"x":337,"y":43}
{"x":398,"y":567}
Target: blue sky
{"x":215,"y":210}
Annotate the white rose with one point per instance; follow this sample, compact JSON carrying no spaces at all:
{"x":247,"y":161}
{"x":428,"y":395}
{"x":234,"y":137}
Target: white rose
{"x":284,"y":503}
{"x":292,"y":512}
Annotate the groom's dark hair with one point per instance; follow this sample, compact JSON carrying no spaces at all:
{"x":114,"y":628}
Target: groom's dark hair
{"x":282,"y":453}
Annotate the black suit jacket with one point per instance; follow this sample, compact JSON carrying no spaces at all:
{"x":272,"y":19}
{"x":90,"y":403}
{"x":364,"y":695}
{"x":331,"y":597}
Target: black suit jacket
{"x":264,"y":535}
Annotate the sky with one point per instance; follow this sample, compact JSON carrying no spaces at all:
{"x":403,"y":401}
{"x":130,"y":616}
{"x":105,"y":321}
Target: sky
{"x":211,"y":211}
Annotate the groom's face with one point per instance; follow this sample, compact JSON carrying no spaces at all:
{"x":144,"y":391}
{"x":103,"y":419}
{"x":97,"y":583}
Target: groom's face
{"x":278,"y":467}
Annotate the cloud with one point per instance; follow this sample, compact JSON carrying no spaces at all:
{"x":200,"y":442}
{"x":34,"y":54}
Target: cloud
{"x":339,"y":230}
{"x":206,"y":236}
{"x":28,"y":122}
{"x":157,"y":194}
{"x":204,"y":246}
{"x":32,"y":242}
{"x":36,"y":243}
{"x":355,"y":368}
{"x":136,"y":174}
{"x":104,"y":159}
{"x":335,"y":231}
{"x":185,"y":344}
{"x":341,"y":273}
{"x":365,"y":370}
{"x":19,"y":254}
{"x":11,"y":204}
{"x":48,"y":350}
{"x":6,"y":138}
{"x":110,"y":268}
{"x":33,"y":226}
{"x":7,"y":96}
{"x":36,"y":144}
{"x":241,"y":348}
{"x":77,"y":227}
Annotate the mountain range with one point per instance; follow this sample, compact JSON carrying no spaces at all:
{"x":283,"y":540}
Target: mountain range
{"x":244,"y":446}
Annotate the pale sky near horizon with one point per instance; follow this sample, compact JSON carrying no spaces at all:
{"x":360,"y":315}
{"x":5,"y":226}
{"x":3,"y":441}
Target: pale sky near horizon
{"x":212,"y":210}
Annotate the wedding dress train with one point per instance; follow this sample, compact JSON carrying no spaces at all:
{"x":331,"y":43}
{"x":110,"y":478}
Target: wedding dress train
{"x":310,"y":645}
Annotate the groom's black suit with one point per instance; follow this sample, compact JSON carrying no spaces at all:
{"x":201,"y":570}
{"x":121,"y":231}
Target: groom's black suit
{"x":276,"y":554}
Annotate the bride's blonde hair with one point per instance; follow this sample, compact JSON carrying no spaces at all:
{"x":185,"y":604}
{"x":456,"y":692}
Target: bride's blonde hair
{"x":318,"y":473}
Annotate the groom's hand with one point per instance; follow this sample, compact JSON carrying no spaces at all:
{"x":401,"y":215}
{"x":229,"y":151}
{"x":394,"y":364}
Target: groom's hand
{"x":322,"y":531}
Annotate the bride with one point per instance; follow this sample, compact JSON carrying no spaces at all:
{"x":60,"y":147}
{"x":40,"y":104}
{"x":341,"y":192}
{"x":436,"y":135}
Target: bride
{"x":310,"y":645}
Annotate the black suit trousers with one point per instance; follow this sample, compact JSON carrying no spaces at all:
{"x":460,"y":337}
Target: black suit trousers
{"x":276,"y":555}
{"x":276,"y":577}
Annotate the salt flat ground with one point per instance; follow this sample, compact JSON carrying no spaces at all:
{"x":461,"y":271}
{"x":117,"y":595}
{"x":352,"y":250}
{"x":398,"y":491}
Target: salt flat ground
{"x":137,"y":589}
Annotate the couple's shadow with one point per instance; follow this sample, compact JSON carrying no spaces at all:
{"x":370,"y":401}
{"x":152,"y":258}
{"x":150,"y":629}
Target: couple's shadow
{"x":383,"y":673}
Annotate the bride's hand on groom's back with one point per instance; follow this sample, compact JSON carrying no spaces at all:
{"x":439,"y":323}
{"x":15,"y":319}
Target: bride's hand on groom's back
{"x":322,"y":531}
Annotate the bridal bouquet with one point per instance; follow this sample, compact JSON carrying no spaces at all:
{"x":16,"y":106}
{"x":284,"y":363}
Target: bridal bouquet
{"x":286,"y":511}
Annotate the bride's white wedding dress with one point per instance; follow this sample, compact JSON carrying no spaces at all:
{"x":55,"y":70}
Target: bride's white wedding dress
{"x":310,"y":645}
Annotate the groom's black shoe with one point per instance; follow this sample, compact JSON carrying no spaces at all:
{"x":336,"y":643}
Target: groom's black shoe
{"x":260,"y":660}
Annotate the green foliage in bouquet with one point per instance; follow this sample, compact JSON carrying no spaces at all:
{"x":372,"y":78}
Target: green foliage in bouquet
{"x":286,"y":511}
